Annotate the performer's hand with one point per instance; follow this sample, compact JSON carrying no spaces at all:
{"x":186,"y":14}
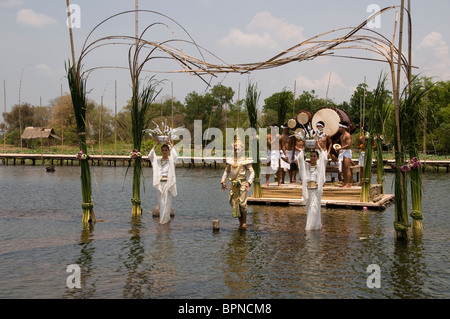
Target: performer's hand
{"x":224,"y":186}
{"x":248,"y":186}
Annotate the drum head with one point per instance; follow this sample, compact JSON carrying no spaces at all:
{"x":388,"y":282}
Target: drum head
{"x":303,"y":117}
{"x":292,"y":123}
{"x":300,"y":133}
{"x":330,"y":117}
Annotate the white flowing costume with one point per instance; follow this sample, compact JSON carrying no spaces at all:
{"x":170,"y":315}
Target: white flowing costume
{"x":312,"y":196}
{"x":167,"y":188}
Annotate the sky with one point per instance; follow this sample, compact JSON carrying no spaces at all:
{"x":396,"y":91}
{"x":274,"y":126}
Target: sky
{"x":35,"y":46}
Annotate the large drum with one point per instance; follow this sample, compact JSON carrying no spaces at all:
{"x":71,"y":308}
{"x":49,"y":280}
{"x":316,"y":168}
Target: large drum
{"x":303,"y":117}
{"x":331,"y":117}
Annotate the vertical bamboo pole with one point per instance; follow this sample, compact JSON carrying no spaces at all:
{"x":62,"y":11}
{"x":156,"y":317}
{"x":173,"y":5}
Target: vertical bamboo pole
{"x":4,"y":122}
{"x":71,"y":37}
{"x":293,"y":105}
{"x":364,"y":103}
{"x":42,"y":155}
{"x":401,"y":223}
{"x":20,"y":115}
{"x":86,"y":187}
{"x":115,"y":117}
{"x":100,"y":130}
{"x":172,"y":101}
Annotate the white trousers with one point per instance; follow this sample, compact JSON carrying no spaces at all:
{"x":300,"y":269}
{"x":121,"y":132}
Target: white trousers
{"x":313,"y":216}
{"x":165,"y":204}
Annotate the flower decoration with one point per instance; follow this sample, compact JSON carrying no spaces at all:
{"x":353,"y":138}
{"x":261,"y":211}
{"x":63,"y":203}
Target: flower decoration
{"x":81,"y":155}
{"x":135,"y":154}
{"x":405,"y":168}
{"x":413,"y":163}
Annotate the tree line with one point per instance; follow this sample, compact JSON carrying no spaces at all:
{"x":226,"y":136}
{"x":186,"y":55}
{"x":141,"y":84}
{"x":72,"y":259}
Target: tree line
{"x":218,"y":108}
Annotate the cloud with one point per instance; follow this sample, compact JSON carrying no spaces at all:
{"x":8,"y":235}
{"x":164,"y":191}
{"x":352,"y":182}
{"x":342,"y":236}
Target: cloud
{"x":276,"y":27}
{"x":44,"y":68}
{"x":238,"y":38}
{"x":10,"y":3}
{"x":265,"y":31}
{"x":33,"y":19}
{"x":433,"y":44}
{"x":435,"y":41}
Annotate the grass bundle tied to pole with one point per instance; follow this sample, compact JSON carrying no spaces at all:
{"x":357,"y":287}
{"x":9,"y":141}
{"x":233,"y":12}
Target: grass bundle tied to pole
{"x":381,"y":113}
{"x":251,"y":102}
{"x":78,"y":93}
{"x":140,"y":107}
{"x":412,"y":114}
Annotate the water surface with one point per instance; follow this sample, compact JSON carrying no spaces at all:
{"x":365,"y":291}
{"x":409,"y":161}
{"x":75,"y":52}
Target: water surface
{"x":121,"y":257}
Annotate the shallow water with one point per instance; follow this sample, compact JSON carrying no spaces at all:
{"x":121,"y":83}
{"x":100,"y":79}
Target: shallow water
{"x":41,"y":235}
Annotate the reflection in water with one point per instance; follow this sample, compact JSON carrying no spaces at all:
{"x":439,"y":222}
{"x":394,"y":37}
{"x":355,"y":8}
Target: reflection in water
{"x":132,"y":256}
{"x":235,"y":274}
{"x":149,"y":268}
{"x":85,"y":261}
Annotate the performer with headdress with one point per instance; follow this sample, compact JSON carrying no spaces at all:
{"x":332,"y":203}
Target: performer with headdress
{"x":320,"y":135}
{"x":236,"y":170}
{"x":164,"y":179}
{"x":313,"y":177}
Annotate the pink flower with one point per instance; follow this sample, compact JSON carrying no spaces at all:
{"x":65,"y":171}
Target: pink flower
{"x":405,"y":168}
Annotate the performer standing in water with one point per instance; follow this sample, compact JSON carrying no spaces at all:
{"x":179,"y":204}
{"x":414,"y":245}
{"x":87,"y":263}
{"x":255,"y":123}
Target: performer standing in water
{"x":236,"y":170}
{"x":313,"y":177}
{"x":164,"y":179}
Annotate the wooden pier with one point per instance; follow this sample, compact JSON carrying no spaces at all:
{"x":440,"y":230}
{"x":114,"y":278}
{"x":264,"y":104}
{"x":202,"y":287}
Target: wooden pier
{"x":98,"y":160}
{"x":124,"y":160}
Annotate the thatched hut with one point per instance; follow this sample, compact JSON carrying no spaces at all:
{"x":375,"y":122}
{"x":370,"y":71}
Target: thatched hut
{"x":37,"y":133}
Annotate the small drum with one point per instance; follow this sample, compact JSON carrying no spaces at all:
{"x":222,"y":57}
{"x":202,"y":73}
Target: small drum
{"x":303,"y":117}
{"x":331,"y":117}
{"x":300,"y":133}
{"x":292,"y":123}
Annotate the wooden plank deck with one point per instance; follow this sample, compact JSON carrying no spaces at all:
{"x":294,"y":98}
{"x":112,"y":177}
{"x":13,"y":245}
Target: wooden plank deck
{"x":333,"y":196}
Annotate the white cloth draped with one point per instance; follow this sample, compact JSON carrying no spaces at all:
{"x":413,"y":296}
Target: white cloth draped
{"x":168,"y":189}
{"x":312,"y":196}
{"x":274,"y":158}
{"x":344,"y":153}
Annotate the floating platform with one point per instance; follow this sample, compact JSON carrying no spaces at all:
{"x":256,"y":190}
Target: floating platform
{"x":333,"y":196}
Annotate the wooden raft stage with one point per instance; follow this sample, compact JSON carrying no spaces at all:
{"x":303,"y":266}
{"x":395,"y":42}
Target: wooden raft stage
{"x":333,"y":196}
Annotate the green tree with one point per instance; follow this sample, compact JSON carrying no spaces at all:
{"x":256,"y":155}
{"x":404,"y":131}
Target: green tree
{"x":20,"y":115}
{"x":437,"y":108}
{"x":210,"y":107}
{"x":360,"y":104}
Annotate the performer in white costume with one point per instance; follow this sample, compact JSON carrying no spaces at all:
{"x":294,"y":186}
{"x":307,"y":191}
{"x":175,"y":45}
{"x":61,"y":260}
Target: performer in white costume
{"x":313,"y":179}
{"x":164,"y":179}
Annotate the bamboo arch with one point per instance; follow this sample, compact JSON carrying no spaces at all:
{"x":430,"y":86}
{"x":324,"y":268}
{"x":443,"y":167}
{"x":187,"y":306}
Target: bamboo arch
{"x":174,"y":49}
